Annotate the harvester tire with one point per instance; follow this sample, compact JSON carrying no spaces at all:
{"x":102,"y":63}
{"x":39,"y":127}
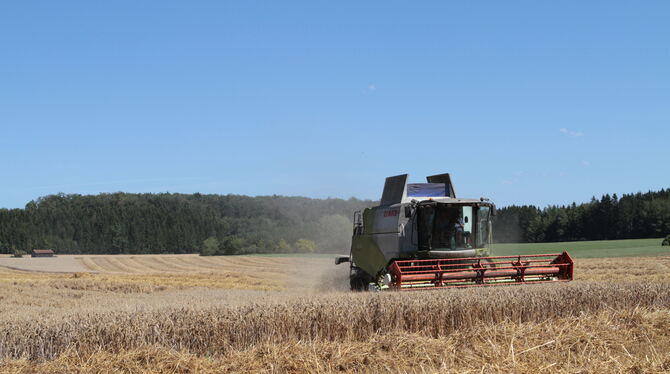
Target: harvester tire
{"x":359,"y":282}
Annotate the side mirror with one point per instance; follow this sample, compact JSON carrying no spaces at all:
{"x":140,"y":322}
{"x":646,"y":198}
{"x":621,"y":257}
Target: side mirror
{"x":408,"y":211}
{"x":493,"y":210}
{"x":341,"y":259}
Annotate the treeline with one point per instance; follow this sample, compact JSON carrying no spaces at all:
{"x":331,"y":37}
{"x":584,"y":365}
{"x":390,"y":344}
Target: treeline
{"x":633,"y":216}
{"x":179,"y":223}
{"x":233,"y":224}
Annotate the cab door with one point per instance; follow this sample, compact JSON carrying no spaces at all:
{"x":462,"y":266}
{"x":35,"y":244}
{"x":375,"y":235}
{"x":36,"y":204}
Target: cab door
{"x":425,"y":223}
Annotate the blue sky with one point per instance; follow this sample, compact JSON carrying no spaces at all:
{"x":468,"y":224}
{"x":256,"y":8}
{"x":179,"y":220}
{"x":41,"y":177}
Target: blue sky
{"x":526,"y":102}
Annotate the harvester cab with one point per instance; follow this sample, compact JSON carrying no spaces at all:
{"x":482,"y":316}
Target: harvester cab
{"x":422,"y":236}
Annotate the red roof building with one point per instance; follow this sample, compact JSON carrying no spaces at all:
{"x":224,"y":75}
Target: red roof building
{"x":42,"y":253}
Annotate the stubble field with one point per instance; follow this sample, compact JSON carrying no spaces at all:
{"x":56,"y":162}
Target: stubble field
{"x":187,"y":314}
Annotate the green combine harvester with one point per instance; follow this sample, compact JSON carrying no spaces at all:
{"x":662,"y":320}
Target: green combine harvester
{"x":421,"y":236}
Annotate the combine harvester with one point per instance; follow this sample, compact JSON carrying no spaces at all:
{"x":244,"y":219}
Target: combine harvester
{"x":422,"y":236}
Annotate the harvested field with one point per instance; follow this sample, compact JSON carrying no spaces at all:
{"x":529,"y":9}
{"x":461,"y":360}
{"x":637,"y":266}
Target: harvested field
{"x":174,"y":271}
{"x":60,"y":264}
{"x":143,"y":264}
{"x":239,"y":314}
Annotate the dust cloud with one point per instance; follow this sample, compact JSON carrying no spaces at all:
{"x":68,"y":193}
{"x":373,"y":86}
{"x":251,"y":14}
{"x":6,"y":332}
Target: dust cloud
{"x":320,"y":276}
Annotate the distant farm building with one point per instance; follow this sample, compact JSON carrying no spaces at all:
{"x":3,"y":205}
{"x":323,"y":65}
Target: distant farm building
{"x":42,"y":253}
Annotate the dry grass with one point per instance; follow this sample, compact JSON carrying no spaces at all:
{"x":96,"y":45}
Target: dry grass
{"x":650,"y":269}
{"x":615,"y":317}
{"x":334,"y":317}
{"x":634,"y":341}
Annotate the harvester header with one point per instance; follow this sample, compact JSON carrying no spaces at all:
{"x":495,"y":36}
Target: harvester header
{"x":422,"y":236}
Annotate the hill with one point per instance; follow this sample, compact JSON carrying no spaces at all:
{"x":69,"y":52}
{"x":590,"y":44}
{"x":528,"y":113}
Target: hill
{"x":178,"y":223}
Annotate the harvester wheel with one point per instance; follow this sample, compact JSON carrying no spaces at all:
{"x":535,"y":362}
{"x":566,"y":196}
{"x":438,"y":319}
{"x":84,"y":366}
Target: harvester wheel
{"x":358,"y":283}
{"x":359,"y":280}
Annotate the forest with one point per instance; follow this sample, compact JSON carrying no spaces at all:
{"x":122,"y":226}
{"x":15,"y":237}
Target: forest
{"x":633,"y":216}
{"x":179,"y":223}
{"x":234,"y":224}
